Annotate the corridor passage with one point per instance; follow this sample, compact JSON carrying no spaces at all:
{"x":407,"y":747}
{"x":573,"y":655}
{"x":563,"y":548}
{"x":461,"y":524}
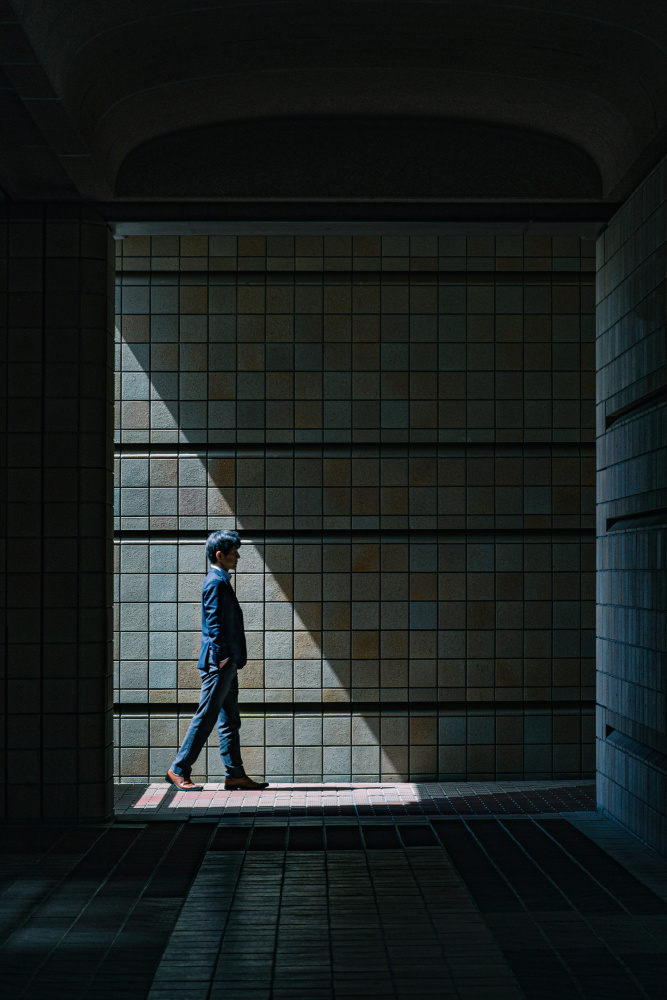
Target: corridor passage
{"x":494,"y":890}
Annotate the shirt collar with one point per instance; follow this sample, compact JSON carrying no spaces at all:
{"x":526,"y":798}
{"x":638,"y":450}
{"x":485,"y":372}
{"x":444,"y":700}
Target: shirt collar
{"x":223,"y":573}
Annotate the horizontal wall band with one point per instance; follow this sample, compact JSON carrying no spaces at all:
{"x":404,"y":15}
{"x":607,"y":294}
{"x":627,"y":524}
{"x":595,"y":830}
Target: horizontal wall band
{"x":359,"y":277}
{"x":358,"y":534}
{"x":654,"y":396}
{"x":640,"y":519}
{"x":416,"y":217}
{"x":417,"y":449}
{"x":354,"y":708}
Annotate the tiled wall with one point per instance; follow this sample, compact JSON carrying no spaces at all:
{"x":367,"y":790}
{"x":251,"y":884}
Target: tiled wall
{"x":402,"y":429}
{"x":56,"y":344}
{"x":632,"y":514}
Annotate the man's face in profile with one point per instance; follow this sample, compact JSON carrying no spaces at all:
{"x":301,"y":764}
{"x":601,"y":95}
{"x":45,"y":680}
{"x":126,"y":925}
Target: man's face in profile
{"x":228,"y":561}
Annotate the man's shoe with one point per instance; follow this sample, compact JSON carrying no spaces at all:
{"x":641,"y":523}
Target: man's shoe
{"x":244,"y":784}
{"x":181,"y":782}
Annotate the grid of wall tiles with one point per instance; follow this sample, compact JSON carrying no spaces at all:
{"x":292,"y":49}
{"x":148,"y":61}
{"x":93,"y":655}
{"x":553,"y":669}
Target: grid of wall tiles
{"x":288,"y":349}
{"x":632,"y":514}
{"x":372,"y":746}
{"x":380,"y":619}
{"x":402,"y":429}
{"x":57,"y":369}
{"x":355,"y":487}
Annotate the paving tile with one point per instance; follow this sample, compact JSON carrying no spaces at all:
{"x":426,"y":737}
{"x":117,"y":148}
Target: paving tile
{"x":161,"y":801}
{"x":487,"y":900}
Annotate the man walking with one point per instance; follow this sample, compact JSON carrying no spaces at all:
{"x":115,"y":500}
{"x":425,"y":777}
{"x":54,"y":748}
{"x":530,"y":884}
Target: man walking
{"x":222,"y":654}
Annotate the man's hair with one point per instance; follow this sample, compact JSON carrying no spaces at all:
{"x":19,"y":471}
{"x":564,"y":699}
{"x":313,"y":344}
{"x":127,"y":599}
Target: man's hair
{"x":221,"y":541}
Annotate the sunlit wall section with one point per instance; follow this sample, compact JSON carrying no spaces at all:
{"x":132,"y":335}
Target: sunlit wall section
{"x":402,"y":429}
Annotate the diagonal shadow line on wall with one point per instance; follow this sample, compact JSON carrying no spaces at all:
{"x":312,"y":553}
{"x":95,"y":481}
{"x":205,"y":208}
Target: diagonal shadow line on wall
{"x":342,"y":647}
{"x":340,"y":644}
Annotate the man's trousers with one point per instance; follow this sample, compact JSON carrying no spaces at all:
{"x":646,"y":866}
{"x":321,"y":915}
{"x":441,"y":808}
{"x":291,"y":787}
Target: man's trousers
{"x":218,"y":702}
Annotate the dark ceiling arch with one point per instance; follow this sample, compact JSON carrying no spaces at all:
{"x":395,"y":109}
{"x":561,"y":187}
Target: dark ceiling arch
{"x":374,"y":158}
{"x":128,"y":73}
{"x":453,"y":94}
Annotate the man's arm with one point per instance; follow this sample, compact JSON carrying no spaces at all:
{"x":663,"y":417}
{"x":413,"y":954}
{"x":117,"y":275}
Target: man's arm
{"x":213,"y":600}
{"x":232,"y":628}
{"x":219,"y":609}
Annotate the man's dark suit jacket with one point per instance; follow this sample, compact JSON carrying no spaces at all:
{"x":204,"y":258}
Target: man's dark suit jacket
{"x":221,"y":623}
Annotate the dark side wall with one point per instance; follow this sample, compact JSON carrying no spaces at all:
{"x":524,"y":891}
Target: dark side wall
{"x":632,"y":514}
{"x":56,"y":460}
{"x":402,"y":429}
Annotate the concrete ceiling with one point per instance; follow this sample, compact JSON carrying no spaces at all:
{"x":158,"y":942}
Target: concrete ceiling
{"x":369,"y":100}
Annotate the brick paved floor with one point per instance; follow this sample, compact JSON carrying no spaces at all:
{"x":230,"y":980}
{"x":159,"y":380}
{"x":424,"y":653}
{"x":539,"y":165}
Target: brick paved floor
{"x":162,"y":801}
{"x":494,"y":891}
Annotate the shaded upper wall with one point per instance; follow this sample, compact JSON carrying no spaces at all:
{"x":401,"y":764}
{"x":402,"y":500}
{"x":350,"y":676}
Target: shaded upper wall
{"x":249,"y":82}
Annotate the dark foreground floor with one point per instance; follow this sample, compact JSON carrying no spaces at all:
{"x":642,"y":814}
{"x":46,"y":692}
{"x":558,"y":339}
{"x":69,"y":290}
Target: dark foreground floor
{"x":529,"y":898}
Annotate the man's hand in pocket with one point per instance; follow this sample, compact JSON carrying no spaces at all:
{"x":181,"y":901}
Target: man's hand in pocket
{"x":222,"y":663}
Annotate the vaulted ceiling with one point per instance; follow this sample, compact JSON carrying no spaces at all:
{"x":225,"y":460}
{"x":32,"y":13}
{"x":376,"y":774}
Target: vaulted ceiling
{"x":443,"y":100}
